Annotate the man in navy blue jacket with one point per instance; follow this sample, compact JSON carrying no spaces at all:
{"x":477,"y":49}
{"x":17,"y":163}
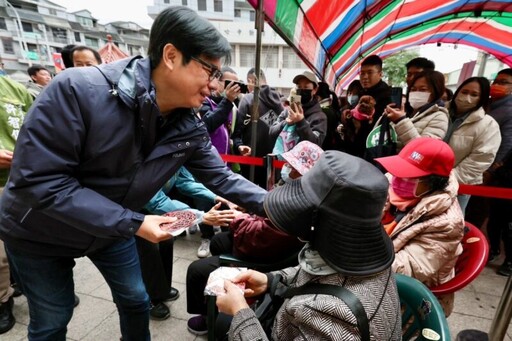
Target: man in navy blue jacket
{"x":94,"y":148}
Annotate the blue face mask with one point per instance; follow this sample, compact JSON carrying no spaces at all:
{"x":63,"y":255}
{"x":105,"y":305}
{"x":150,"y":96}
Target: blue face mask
{"x":352,"y":100}
{"x":285,"y":173}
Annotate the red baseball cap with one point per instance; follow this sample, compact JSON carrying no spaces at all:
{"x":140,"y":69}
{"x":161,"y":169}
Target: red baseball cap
{"x":421,"y":157}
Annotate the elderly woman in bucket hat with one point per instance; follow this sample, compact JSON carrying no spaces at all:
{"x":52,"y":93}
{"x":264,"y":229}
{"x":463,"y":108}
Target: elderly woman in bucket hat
{"x":423,"y":217}
{"x":337,"y":208}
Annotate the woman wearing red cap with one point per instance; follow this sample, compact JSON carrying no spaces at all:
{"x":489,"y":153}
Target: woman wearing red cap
{"x":423,"y":217}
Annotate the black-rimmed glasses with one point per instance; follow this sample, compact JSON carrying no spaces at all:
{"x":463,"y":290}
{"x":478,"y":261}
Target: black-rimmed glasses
{"x":213,"y":71}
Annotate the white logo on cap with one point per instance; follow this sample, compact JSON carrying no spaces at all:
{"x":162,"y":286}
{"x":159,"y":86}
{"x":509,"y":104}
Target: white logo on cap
{"x":415,"y":156}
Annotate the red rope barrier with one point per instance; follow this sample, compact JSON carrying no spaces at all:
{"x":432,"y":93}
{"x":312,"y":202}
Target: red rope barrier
{"x":481,"y":191}
{"x":244,"y":160}
{"x":486,"y":191}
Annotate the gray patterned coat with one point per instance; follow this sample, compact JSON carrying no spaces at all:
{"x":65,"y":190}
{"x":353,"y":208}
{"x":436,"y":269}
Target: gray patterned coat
{"x":324,"y":317}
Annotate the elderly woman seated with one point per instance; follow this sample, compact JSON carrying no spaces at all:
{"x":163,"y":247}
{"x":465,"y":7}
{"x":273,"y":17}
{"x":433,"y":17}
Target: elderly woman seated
{"x":337,"y":207}
{"x":422,"y":216}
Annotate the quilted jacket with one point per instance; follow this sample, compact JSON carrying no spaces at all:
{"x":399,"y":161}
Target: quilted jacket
{"x":427,"y":240}
{"x":324,"y":317}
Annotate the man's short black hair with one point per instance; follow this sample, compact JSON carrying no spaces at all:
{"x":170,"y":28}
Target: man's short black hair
{"x":87,"y":48}
{"x":34,"y":69}
{"x":65,"y":53}
{"x":421,"y":63}
{"x":507,"y":72}
{"x":373,"y":60}
{"x":192,"y":35}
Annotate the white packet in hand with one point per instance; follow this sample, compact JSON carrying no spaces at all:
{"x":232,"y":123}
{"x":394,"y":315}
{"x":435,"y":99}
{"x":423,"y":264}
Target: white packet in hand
{"x":215,"y":284}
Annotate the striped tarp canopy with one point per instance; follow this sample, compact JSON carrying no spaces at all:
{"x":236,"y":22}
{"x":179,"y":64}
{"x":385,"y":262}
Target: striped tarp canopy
{"x":333,"y":36}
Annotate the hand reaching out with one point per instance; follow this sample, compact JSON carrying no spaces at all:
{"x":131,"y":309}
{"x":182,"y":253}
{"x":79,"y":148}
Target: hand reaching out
{"x":214,"y":217}
{"x":150,"y":228}
{"x":244,"y":150}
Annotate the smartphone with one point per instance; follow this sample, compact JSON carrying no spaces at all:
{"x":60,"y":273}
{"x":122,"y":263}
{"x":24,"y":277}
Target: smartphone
{"x":243,"y":86}
{"x":396,"y":96}
{"x":295,"y":99}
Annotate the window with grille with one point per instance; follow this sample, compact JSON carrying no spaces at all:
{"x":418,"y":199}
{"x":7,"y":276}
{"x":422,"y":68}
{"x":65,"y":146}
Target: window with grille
{"x":3,"y":25}
{"x":91,"y":42}
{"x":217,"y":5}
{"x":247,"y":56}
{"x":201,"y":5}
{"x":291,"y":60}
{"x":7,"y":43}
{"x":252,"y":15}
{"x":238,"y":13}
{"x":27,"y":27}
{"x":77,"y":37}
{"x":184,"y":2}
{"x":269,"y":56}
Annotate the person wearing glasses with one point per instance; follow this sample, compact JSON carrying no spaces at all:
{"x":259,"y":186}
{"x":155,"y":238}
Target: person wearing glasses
{"x":94,"y":149}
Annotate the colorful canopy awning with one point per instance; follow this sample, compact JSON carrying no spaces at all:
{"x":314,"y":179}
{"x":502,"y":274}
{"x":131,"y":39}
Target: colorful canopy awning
{"x":333,"y":36}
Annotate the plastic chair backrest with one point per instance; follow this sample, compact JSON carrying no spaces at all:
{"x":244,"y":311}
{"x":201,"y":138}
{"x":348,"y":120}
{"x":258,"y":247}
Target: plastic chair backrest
{"x":422,"y":315}
{"x":470,"y":263}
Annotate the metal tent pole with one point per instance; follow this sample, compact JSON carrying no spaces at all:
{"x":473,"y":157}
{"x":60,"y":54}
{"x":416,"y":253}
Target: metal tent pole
{"x":255,"y":114}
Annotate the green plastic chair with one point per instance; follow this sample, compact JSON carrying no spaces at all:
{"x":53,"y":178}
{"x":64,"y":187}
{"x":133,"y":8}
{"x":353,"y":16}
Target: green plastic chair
{"x":422,"y":315}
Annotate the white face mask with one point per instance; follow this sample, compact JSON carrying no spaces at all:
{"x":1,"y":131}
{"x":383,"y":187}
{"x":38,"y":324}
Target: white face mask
{"x":417,"y":99}
{"x":465,"y":102}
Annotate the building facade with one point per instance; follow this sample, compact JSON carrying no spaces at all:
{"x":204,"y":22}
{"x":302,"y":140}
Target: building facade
{"x":32,"y":31}
{"x":236,"y":21}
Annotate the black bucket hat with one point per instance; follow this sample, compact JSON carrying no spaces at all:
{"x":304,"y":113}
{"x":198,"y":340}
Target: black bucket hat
{"x":337,"y":206}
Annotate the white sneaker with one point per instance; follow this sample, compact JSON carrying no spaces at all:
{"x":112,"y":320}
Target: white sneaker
{"x":204,"y":248}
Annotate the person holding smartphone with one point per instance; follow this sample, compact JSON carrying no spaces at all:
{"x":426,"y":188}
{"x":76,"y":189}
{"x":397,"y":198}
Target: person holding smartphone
{"x":427,"y":116}
{"x":306,"y":115}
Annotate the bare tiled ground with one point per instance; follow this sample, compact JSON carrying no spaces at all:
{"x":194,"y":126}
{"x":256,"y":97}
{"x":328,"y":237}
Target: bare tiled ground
{"x":95,"y":319}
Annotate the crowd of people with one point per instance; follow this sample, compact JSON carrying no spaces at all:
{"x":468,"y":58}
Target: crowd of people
{"x":91,"y":160}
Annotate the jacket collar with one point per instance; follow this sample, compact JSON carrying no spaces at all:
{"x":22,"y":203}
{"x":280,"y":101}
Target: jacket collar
{"x":502,"y":101}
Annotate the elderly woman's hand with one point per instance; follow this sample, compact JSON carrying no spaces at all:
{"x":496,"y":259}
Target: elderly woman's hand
{"x":232,"y":301}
